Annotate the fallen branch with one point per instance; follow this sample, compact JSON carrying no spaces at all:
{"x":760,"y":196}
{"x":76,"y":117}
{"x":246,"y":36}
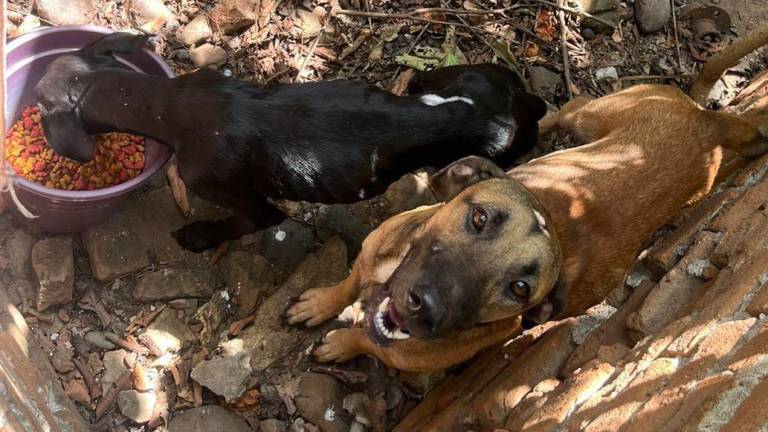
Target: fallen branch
{"x":564,"y":49}
{"x":122,"y":383}
{"x":422,"y":11}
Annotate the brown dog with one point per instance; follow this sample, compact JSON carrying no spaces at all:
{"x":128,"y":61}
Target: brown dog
{"x":442,"y":282}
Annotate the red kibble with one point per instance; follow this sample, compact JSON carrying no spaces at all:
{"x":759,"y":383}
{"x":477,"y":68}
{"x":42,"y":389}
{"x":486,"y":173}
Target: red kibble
{"x":30,"y":157}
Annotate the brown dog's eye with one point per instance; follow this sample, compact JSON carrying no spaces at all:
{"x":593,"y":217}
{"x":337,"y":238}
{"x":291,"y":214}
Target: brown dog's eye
{"x":520,"y":289}
{"x":479,"y":218}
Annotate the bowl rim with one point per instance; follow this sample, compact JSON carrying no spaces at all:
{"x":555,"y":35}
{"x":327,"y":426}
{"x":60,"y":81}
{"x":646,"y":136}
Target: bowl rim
{"x":107,"y":192}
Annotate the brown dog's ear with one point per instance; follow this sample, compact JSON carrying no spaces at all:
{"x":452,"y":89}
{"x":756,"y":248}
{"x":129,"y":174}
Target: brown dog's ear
{"x":121,"y":42}
{"x":549,"y":308}
{"x":451,"y":180}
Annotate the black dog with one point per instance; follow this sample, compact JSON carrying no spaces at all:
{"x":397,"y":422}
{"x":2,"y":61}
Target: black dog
{"x":331,"y":142}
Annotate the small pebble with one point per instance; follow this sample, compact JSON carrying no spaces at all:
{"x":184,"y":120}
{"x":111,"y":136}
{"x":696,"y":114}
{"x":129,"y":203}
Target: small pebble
{"x":98,"y":340}
{"x":63,"y":316}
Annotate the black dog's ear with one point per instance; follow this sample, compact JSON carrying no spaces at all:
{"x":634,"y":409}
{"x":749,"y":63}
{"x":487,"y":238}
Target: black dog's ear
{"x":549,"y":308}
{"x":536,"y":105}
{"x":65,"y":134}
{"x":121,"y":43}
{"x":451,"y":180}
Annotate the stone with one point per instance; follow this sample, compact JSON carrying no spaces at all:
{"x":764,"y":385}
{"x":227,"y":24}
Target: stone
{"x":168,"y":332}
{"x":18,"y":251}
{"x":226,"y":376}
{"x":272,"y":425}
{"x":54,"y":265}
{"x":136,"y":406}
{"x":98,"y":340}
{"x":544,"y":82}
{"x":327,"y":266}
{"x":249,"y":276}
{"x":319,"y":398}
{"x":139,"y":234}
{"x":208,"y":55}
{"x":609,"y":73}
{"x":172,"y":283}
{"x":31,"y":22}
{"x":151,"y":10}
{"x":339,"y":220}
{"x":652,"y":15}
{"x":595,"y":6}
{"x":114,"y":367}
{"x":286,"y":244}
{"x":611,"y":16}
{"x":408,"y":192}
{"x":196,"y":31}
{"x":66,"y":12}
{"x":208,"y":418}
{"x":234,"y":16}
{"x":62,"y":360}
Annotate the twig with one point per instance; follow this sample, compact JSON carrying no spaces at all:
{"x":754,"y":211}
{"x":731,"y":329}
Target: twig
{"x":410,"y":16}
{"x":88,"y":377}
{"x":577,"y":12}
{"x":122,"y":383}
{"x":410,"y":48}
{"x":310,"y":54}
{"x":654,"y":77}
{"x":421,"y":11}
{"x":677,"y":39}
{"x":564,"y":48}
{"x":218,"y":254}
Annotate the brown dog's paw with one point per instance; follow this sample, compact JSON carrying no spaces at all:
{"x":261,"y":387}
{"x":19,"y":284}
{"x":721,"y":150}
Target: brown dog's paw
{"x":338,"y":346}
{"x":314,"y":307}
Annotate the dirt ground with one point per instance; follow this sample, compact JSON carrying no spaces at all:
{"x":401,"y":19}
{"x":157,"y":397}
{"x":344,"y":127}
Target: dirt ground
{"x":173,"y":332}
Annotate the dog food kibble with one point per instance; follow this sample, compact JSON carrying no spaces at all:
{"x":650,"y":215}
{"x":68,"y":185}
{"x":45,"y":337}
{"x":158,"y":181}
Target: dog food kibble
{"x":118,"y":157}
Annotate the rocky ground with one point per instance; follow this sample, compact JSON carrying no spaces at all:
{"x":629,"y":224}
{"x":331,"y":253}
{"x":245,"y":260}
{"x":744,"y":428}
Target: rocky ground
{"x":145,"y":336}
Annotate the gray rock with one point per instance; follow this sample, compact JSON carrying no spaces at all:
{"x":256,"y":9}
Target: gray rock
{"x":148,"y":10}
{"x":62,"y":360}
{"x":234,"y":16}
{"x":136,"y":406}
{"x":18,"y":250}
{"x":168,"y":332}
{"x":595,"y":6}
{"x":196,"y":31}
{"x":172,"y":283}
{"x":609,"y":16}
{"x":66,"y":12}
{"x":98,"y":340}
{"x":652,"y":15}
{"x":319,"y":398}
{"x":286,"y":244}
{"x":272,"y":425}
{"x":226,"y":376}
{"x":125,"y":242}
{"x":208,"y":55}
{"x":249,"y":276}
{"x":114,"y":366}
{"x":206,"y":419}
{"x":54,"y":265}
{"x":544,"y":82}
{"x":409,"y":192}
{"x":328,"y":266}
{"x":339,"y":220}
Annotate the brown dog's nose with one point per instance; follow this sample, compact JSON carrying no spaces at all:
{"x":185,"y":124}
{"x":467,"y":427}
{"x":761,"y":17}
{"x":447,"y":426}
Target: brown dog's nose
{"x":428,"y":309}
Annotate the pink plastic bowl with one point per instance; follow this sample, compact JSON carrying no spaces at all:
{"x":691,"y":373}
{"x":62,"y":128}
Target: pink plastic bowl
{"x":26,"y":59}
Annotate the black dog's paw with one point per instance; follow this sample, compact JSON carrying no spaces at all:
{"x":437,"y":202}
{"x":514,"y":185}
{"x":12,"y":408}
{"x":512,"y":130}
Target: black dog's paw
{"x":197,"y":236}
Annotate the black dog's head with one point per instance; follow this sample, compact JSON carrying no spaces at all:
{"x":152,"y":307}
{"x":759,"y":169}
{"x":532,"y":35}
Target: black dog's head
{"x":64,"y":84}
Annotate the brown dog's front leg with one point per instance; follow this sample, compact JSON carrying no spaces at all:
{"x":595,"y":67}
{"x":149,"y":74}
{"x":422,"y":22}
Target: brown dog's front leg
{"x":318,"y":305}
{"x":415,"y":355}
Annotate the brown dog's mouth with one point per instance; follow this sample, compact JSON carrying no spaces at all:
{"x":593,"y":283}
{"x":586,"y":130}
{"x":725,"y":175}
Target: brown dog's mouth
{"x":385,"y":323}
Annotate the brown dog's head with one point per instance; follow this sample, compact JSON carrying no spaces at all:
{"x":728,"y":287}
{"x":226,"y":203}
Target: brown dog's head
{"x":487,"y":254}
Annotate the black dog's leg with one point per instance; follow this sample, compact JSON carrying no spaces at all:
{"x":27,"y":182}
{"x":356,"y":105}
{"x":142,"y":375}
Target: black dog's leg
{"x":254,"y":214}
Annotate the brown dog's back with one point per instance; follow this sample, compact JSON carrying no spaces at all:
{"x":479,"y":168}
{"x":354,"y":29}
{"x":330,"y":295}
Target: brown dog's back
{"x":650,"y":151}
